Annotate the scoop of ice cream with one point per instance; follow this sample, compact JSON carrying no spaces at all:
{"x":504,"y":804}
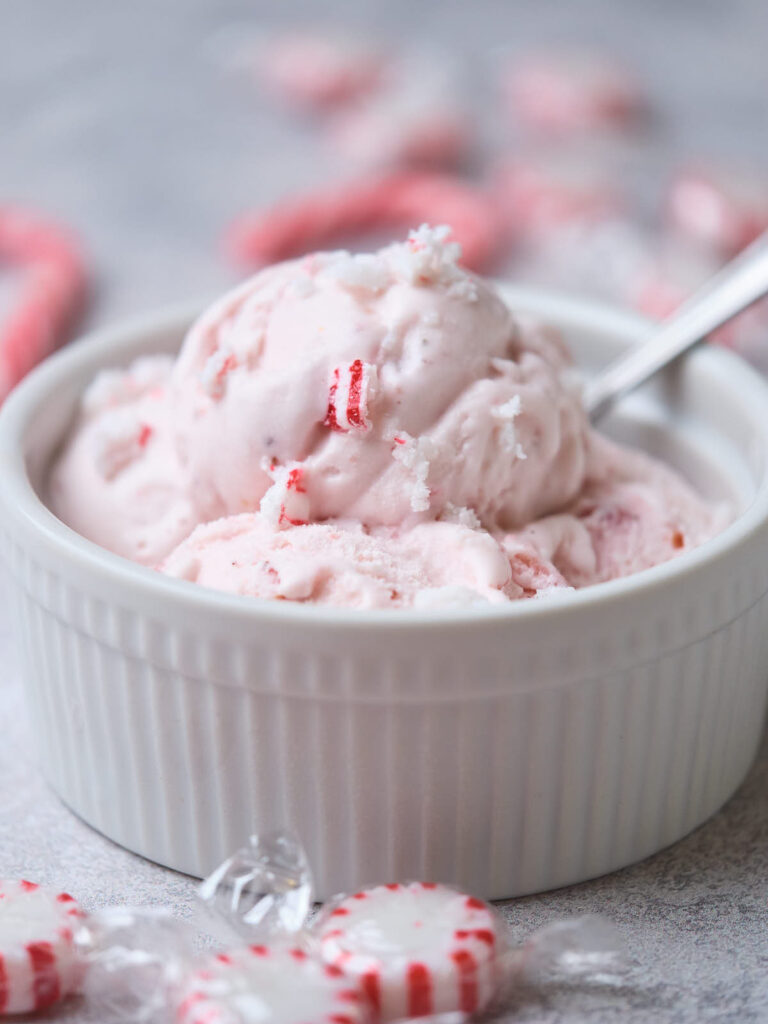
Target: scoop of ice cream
{"x":118,"y":480}
{"x":432,"y":565}
{"x":380,"y":388}
{"x":632,"y":514}
{"x":368,"y":431}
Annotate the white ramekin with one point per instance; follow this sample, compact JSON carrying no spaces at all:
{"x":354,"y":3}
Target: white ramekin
{"x":505,"y":750}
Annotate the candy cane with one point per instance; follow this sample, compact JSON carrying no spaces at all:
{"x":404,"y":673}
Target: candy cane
{"x":541,"y":195}
{"x":52,"y":291}
{"x":562,"y":93}
{"x":719,"y":207}
{"x":317,"y":71}
{"x":323,"y":218}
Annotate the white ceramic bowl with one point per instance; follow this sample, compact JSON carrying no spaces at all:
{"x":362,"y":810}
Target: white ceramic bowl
{"x":506,"y":750}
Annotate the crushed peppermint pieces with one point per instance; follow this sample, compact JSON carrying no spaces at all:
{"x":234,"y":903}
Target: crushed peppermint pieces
{"x":416,"y":455}
{"x":507,"y":414}
{"x":286,"y":503}
{"x":426,"y":257}
{"x":460,"y":515}
{"x":363,"y":271}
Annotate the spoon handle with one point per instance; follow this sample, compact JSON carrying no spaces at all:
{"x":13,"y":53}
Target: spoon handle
{"x":743,"y":281}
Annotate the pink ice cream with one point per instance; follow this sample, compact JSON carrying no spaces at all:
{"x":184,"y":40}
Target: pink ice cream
{"x":632,"y":513}
{"x":119,"y":481}
{"x":344,"y":563}
{"x":368,"y":431}
{"x":393,"y":385}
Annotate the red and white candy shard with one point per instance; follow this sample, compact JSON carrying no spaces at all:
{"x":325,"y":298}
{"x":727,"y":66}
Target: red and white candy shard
{"x":350,"y":389}
{"x":270,"y":985}
{"x":723,"y":208}
{"x":416,"y":948}
{"x":39,"y":964}
{"x":286,"y":503}
{"x":559,"y":93}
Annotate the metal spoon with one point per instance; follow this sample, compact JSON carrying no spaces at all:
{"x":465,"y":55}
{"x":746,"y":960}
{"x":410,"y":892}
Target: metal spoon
{"x":740,"y":283}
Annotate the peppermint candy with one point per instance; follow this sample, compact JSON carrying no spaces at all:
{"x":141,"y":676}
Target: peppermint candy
{"x":39,"y":964}
{"x":415,"y":948}
{"x":270,"y":985}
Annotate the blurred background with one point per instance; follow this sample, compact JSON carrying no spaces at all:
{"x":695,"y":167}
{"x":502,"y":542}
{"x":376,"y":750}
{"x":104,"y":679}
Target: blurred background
{"x":616,"y":148}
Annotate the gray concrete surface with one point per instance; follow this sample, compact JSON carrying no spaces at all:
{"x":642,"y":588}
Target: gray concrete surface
{"x":119,"y":118}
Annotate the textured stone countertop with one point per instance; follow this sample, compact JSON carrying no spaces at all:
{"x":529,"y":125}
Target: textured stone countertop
{"x":119,"y":119}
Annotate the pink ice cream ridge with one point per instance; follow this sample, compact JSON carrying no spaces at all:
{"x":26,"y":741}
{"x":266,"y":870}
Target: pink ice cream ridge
{"x":369,"y":430}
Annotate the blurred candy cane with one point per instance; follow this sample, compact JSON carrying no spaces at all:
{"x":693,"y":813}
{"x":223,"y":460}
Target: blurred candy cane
{"x":338,"y":213}
{"x":317,"y":70}
{"x":723,"y":208}
{"x":52,"y":291}
{"x":569,"y":93}
{"x":417,"y":118}
{"x":540,"y":194}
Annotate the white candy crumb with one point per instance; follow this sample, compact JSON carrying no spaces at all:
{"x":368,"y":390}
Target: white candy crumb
{"x":416,"y":456}
{"x":507,"y":413}
{"x":426,"y":256}
{"x":460,"y":516}
{"x":464,"y":288}
{"x":364,"y":271}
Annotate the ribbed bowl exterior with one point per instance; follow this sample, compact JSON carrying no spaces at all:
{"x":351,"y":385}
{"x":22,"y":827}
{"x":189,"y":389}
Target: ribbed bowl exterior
{"x":506,"y":752}
{"x":505,"y":765}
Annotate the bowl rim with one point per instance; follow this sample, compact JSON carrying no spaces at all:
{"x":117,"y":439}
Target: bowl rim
{"x":19,"y":499}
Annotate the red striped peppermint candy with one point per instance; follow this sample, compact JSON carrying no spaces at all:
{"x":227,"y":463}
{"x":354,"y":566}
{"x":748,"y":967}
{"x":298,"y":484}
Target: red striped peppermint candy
{"x":39,"y":964}
{"x":416,"y":948}
{"x":270,"y":985}
{"x":350,"y":388}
